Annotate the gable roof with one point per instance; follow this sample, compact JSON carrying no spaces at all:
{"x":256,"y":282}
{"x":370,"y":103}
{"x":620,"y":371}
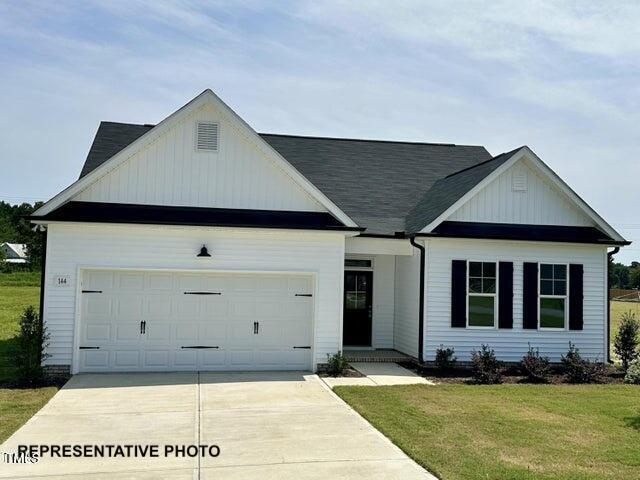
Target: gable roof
{"x":14,"y":250}
{"x":375,"y":182}
{"x":207,"y":97}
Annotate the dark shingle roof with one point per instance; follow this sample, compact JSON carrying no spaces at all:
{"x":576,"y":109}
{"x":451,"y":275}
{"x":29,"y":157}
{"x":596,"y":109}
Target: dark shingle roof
{"x":384,"y":186}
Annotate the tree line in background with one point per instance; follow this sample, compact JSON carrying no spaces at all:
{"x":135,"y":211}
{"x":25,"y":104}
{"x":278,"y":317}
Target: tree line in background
{"x":625,"y":276}
{"x":15,"y":228}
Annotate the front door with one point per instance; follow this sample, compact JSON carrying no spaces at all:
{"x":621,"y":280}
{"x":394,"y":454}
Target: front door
{"x":357,"y":308}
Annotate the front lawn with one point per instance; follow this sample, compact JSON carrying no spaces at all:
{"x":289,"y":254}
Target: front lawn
{"x":17,"y":405}
{"x":510,"y":431}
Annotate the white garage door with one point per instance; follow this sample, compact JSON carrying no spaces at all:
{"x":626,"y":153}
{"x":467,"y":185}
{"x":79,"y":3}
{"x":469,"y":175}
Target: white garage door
{"x":142,"y":320}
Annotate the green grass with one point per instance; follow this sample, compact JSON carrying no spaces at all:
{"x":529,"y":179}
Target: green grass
{"x":17,"y":291}
{"x":20,"y":279}
{"x":510,"y":431}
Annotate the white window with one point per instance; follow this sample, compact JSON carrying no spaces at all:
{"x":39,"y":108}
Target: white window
{"x":482,"y":300}
{"x":552,"y":298}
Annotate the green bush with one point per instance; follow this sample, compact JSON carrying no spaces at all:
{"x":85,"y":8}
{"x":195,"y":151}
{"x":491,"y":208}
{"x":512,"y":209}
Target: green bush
{"x":336,"y":364}
{"x":445,"y":358}
{"x":535,"y":367}
{"x":485,"y":366}
{"x":626,"y":342}
{"x":633,"y":373}
{"x":29,"y":351}
{"x":578,"y":369}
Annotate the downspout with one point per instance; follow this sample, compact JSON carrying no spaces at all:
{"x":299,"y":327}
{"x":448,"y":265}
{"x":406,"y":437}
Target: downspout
{"x":609,"y":259}
{"x":412,"y":239}
{"x":43,"y":266}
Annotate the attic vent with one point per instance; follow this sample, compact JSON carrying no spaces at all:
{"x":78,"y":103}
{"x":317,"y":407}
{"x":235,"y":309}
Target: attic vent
{"x":207,"y":136}
{"x":519,"y":182}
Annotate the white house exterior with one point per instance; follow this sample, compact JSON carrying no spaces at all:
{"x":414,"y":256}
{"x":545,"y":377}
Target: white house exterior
{"x":198,"y":244}
{"x":14,"y":252}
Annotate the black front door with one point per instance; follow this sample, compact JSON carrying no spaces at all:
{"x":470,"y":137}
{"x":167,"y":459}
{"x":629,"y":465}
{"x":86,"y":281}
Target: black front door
{"x":357,"y":308}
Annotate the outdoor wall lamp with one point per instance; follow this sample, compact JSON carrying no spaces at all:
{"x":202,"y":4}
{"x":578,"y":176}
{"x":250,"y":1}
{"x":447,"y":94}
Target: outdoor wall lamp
{"x":204,"y":252}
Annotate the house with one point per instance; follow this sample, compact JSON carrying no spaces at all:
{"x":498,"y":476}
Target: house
{"x":199,"y":244}
{"x":14,"y":252}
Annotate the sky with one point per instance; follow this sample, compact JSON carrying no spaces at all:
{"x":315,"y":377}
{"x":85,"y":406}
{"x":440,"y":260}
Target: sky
{"x":562,"y":77}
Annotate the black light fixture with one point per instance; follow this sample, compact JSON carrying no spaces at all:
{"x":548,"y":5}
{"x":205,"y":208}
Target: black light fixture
{"x":204,"y":252}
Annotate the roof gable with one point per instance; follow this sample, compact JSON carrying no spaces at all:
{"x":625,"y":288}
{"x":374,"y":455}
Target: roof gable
{"x":99,"y":165}
{"x":561,"y":200}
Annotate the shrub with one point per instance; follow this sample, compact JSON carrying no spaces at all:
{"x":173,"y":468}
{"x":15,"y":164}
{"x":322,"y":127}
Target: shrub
{"x":29,"y":350}
{"x":336,"y":364}
{"x":578,"y":369}
{"x":626,"y":342}
{"x":633,"y":373}
{"x":445,"y":358}
{"x":535,"y":367}
{"x":485,"y":366}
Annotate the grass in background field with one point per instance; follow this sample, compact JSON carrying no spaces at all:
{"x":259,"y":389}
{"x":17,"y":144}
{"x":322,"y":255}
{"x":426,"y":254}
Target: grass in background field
{"x":20,"y":279}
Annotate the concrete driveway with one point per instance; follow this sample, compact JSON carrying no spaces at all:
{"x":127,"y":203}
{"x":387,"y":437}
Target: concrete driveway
{"x":267,"y":426}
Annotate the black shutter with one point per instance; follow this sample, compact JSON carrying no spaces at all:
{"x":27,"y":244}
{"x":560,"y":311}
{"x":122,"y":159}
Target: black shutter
{"x":575,"y":297}
{"x":530,"y":295}
{"x":505,"y":295}
{"x":459,"y":293}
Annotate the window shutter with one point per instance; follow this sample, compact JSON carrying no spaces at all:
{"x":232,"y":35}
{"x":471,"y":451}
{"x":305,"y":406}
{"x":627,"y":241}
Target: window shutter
{"x":505,"y":295}
{"x":459,"y":293}
{"x":576,"y":274}
{"x":530,"y":295}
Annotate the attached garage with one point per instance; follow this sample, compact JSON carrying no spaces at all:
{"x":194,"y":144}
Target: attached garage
{"x":180,"y":321}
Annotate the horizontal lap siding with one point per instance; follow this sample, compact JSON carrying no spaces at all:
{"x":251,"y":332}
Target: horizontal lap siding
{"x":147,"y":247}
{"x":407,"y":280}
{"x":511,"y":344}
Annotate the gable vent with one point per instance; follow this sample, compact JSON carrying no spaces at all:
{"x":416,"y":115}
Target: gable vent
{"x":519,"y":182}
{"x":207,"y":136}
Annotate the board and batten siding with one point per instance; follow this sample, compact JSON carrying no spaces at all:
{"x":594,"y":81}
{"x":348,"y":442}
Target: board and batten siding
{"x":521,"y":195}
{"x":71,"y":247}
{"x":512,"y":344}
{"x":405,"y":327}
{"x":170,"y":171}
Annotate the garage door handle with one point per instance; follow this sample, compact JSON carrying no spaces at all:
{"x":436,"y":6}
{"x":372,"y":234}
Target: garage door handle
{"x":306,"y":347}
{"x":304,"y":295}
{"x":89,"y":348}
{"x":199,"y":347}
{"x":91,"y":291}
{"x":202,"y":293}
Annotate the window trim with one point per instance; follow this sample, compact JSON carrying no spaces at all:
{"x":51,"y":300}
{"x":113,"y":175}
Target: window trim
{"x":565,"y":297}
{"x":494,"y":295}
{"x":358,"y":269}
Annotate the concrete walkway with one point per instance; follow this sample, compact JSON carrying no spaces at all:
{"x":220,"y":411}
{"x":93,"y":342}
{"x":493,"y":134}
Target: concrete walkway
{"x":379,"y":374}
{"x":267,"y":425}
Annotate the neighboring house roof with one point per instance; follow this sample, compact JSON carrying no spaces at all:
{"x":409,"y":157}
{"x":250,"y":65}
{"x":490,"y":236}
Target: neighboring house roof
{"x":15,"y":252}
{"x":213,"y":217}
{"x":377,"y":183}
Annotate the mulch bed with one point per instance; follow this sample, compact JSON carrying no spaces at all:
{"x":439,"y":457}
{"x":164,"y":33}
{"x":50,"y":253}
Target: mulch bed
{"x":349,"y":372}
{"x":510,"y":375}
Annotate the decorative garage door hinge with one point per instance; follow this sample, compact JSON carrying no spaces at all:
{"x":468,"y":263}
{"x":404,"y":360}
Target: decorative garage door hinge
{"x":304,"y":294}
{"x":91,"y":291}
{"x":89,"y":348}
{"x":306,"y":347}
{"x":202,"y":293}
{"x":199,"y":347}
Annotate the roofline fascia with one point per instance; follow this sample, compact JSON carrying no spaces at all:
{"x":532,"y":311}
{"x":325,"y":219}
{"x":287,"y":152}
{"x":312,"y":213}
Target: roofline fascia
{"x":502,"y":239}
{"x":44,"y":221}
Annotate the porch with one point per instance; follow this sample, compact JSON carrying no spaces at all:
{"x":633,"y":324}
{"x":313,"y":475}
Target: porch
{"x":380,"y":300}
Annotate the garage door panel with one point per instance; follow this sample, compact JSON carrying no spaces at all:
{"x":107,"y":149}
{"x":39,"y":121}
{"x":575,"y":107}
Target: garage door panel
{"x":129,"y":306}
{"x":127,"y":332}
{"x":131,"y":281}
{"x":126,"y":358}
{"x":111,"y":320}
{"x":97,"y":332}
